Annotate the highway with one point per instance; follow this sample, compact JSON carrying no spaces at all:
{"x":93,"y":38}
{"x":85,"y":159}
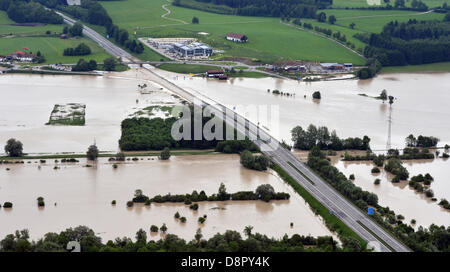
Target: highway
{"x":102,"y":41}
{"x":358,"y":221}
{"x":352,"y":216}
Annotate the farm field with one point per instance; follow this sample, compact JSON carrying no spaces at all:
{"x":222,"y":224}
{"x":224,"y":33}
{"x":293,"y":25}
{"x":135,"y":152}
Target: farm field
{"x":35,"y":39}
{"x":269,"y":40}
{"x":379,"y":3}
{"x":374,"y":20}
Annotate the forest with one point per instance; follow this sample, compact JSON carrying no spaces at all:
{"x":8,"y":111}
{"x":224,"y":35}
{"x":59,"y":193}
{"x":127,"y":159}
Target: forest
{"x":413,"y":42}
{"x":269,"y":8}
{"x":29,"y":12}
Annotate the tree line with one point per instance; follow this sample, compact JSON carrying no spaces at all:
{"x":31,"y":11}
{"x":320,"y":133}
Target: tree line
{"x":269,"y":8}
{"x":229,"y":241}
{"x":22,"y":11}
{"x":414,"y":42}
{"x":80,"y":50}
{"x":321,"y":137}
{"x":433,"y":239}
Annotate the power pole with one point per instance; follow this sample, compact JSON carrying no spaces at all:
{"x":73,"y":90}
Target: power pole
{"x":391,"y":101}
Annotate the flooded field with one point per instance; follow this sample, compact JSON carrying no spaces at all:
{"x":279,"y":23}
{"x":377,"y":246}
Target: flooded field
{"x":399,"y":196}
{"x":421,"y":107}
{"x":27,"y":102}
{"x":83,"y":197}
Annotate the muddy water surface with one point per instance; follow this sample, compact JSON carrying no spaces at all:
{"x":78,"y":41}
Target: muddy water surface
{"x":83,"y":197}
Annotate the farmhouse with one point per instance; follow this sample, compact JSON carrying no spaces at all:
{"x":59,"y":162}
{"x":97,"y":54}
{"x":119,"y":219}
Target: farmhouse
{"x":20,"y":56}
{"x":241,"y":38}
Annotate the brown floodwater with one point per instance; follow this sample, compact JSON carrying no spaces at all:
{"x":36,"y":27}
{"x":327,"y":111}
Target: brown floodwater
{"x":27,"y":101}
{"x":83,"y":196}
{"x":399,"y":196}
{"x":422,"y":104}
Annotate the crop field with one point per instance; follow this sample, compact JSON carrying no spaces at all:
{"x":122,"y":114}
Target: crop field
{"x":35,"y":39}
{"x":52,"y":48}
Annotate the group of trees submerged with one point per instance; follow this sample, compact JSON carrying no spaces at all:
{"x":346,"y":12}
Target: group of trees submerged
{"x":435,"y":238}
{"x":320,"y":136}
{"x":263,"y":192}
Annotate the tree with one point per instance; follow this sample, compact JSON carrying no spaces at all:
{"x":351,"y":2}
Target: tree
{"x":316,"y":95}
{"x":195,"y":20}
{"x":352,"y":25}
{"x":14,"y":148}
{"x":248,"y":230}
{"x":76,"y":30}
{"x":332,"y":19}
{"x":198,"y":235}
{"x":383,"y":95}
{"x":322,"y":17}
{"x":265,"y":190}
{"x":154,"y":228}
{"x":92,"y":153}
{"x":165,"y":154}
{"x":222,"y":194}
{"x":109,"y":64}
{"x":399,"y":3}
{"x":411,"y":141}
{"x":163,"y":228}
{"x":92,"y":65}
{"x":141,"y":235}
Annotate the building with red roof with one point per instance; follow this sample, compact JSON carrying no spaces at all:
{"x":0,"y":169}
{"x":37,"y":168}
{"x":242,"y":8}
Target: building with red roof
{"x":237,"y":37}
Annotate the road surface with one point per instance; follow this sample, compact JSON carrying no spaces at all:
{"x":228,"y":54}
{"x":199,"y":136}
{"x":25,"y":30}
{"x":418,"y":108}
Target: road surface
{"x":102,"y":41}
{"x":319,"y":189}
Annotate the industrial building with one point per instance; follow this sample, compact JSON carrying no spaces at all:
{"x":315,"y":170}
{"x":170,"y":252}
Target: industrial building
{"x":195,"y":49}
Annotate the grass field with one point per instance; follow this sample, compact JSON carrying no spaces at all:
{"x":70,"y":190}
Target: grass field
{"x":187,"y":68}
{"x":379,"y":3}
{"x":35,"y":39}
{"x":374,"y":20}
{"x":269,"y":40}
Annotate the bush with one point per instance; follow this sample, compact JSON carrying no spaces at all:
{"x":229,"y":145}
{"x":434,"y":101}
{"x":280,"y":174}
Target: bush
{"x":194,"y":207}
{"x":316,"y":95}
{"x":375,"y":170}
{"x":7,"y":205}
{"x":130,"y":204}
{"x":177,"y":215}
{"x":201,"y":220}
{"x":113,"y":202}
{"x":183,"y":219}
{"x":351,"y":177}
{"x":249,"y":161}
{"x":165,"y":154}
{"x":40,"y":201}
{"x":377,"y":181}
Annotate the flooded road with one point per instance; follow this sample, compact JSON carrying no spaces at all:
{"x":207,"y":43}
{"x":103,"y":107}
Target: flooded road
{"x":422,"y":105}
{"x":83,"y":196}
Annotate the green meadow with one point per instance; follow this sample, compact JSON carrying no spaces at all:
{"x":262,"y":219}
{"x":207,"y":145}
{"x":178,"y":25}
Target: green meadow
{"x":13,"y":38}
{"x":365,"y":3}
{"x":374,"y":20}
{"x":269,"y":40}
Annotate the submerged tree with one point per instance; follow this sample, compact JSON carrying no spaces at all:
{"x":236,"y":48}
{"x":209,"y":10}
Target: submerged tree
{"x":14,"y":148}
